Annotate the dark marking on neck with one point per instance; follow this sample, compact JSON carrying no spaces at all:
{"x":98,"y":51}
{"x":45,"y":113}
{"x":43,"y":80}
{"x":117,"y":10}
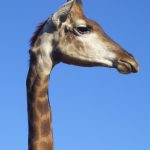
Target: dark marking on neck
{"x":33,"y":146}
{"x":43,"y":106}
{"x":44,"y":92}
{"x":45,"y":128}
{"x":34,"y":133}
{"x":46,"y":79}
{"x":32,"y":113}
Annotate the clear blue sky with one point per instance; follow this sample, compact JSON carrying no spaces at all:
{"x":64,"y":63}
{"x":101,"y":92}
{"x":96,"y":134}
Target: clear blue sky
{"x":93,"y":108}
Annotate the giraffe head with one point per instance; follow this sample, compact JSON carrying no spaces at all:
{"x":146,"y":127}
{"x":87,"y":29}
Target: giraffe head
{"x":81,"y":41}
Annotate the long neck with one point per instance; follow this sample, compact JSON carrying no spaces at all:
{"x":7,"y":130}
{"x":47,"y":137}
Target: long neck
{"x":39,"y":111}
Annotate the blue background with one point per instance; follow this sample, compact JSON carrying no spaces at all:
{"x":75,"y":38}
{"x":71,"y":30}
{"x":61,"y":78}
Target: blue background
{"x":93,"y":108}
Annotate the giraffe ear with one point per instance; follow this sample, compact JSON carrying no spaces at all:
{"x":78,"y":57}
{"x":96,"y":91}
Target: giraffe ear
{"x":62,"y":13}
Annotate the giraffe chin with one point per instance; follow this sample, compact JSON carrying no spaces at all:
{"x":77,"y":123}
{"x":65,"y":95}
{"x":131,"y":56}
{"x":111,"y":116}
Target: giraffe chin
{"x":126,"y":68}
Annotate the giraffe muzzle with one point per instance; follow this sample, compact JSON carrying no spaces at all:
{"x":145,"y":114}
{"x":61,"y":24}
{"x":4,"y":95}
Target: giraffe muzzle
{"x":127,"y":66}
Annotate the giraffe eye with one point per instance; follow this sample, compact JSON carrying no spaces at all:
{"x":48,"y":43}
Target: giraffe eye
{"x":82,"y":29}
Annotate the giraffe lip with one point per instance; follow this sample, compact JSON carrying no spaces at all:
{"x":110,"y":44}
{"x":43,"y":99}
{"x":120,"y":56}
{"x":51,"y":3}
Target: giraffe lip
{"x":127,"y":67}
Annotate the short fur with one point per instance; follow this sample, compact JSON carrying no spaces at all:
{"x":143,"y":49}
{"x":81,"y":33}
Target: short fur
{"x":77,"y":41}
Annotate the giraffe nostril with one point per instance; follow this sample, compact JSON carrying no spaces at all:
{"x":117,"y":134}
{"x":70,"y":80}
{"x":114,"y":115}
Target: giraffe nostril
{"x":127,"y":65}
{"x":134,"y":66}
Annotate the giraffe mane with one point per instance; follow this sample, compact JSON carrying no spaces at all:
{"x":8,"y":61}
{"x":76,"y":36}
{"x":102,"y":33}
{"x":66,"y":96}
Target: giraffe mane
{"x":37,"y":32}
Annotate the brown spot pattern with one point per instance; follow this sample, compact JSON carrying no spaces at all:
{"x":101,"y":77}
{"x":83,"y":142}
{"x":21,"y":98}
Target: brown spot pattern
{"x":33,"y":131}
{"x":43,"y":92}
{"x":45,"y":127}
{"x":37,"y":81}
{"x":33,"y":58}
{"x":30,"y":77}
{"x":43,"y":106}
{"x":46,"y":79}
{"x":32,"y":114}
{"x":33,"y":146}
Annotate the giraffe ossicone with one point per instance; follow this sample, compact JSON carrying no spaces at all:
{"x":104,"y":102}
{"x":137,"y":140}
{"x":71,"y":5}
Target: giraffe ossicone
{"x":66,"y":36}
{"x":62,"y":13}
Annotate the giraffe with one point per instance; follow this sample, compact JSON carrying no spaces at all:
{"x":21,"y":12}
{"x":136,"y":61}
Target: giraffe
{"x":67,"y":36}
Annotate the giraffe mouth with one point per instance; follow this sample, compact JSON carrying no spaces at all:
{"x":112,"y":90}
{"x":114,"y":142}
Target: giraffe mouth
{"x":126,"y":67}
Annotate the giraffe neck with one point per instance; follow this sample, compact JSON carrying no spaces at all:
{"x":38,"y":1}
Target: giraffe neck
{"x":39,"y":111}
